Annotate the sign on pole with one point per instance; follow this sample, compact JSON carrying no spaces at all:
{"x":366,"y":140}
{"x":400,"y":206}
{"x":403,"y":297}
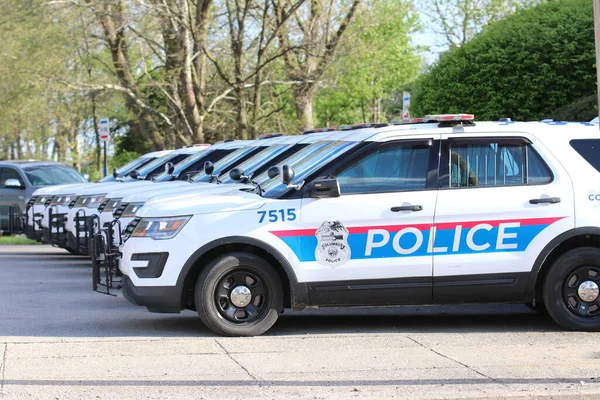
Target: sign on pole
{"x":104,"y":129}
{"x":405,"y":105}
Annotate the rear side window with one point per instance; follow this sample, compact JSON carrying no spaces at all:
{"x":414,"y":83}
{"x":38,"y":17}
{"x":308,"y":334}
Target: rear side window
{"x":495,"y":163}
{"x":588,"y":149}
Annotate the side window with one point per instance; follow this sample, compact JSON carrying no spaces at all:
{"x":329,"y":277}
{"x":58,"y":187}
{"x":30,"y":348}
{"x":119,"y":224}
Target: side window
{"x":495,"y":163}
{"x":9,"y":173}
{"x":390,"y":168}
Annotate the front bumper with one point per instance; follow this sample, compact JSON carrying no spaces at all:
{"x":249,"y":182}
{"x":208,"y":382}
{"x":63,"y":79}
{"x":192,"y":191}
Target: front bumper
{"x":159,"y":299}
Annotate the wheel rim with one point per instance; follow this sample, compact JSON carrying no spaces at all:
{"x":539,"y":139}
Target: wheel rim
{"x":241,"y":297}
{"x":581,"y":291}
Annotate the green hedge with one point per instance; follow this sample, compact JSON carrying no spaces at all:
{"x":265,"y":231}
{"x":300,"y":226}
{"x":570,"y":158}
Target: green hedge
{"x":527,"y":66}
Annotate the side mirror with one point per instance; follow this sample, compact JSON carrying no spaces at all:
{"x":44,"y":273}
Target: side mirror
{"x":135,"y":174}
{"x":236,"y":174}
{"x":13,"y":184}
{"x":287,"y":174}
{"x":273,"y":172}
{"x":209,"y":168}
{"x":115,"y":173}
{"x":323,"y":188}
{"x":169,"y":168}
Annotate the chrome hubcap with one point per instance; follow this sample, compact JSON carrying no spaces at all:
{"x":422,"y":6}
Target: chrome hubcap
{"x":240,"y":296}
{"x":588,"y":291}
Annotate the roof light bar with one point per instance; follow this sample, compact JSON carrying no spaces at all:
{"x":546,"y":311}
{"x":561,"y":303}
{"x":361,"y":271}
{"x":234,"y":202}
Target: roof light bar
{"x":319,"y":130}
{"x":270,"y":135}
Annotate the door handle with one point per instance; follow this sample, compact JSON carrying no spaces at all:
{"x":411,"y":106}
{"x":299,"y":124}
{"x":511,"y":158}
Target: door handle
{"x":549,"y":200}
{"x":407,"y":208}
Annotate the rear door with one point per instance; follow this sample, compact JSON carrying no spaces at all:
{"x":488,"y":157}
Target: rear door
{"x":502,"y":199}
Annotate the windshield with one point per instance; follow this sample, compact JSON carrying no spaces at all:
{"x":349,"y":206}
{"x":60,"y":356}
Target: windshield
{"x":157,"y":165}
{"x":127,"y":168}
{"x":250,"y":166}
{"x":225,"y":164}
{"x":45,"y":175}
{"x":194,"y":163}
{"x":304,"y":163}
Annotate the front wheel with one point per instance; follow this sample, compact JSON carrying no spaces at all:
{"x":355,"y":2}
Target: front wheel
{"x":239,"y":294}
{"x":572,"y":290}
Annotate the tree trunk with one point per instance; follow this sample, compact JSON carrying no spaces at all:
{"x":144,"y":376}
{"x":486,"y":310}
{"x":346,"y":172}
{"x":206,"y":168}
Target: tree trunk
{"x":74,"y":146}
{"x":202,"y":24}
{"x":304,"y":107}
{"x":113,"y":22}
{"x":96,"y":132}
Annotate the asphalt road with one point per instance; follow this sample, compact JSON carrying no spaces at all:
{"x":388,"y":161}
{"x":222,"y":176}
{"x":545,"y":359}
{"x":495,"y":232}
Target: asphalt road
{"x":60,"y":340}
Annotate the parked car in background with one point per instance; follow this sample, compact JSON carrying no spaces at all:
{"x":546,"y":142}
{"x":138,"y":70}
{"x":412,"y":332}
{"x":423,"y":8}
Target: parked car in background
{"x":19,"y":179}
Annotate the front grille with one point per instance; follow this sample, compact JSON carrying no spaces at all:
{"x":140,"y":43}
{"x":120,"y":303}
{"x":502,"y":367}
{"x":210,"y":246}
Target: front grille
{"x":130,"y":228}
{"x":48,"y":201}
{"x":119,"y":211}
{"x":72,"y":203}
{"x":103,"y":205}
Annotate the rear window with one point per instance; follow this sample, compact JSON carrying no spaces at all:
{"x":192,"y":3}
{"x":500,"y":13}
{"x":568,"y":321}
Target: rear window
{"x":588,"y":149}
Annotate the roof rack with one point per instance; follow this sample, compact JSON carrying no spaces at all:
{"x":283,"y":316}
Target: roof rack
{"x":318,"y":130}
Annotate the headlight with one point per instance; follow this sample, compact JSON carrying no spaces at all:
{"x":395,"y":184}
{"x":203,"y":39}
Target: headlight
{"x":131,"y":209}
{"x":62,"y":200}
{"x":160,"y":228}
{"x":90,"y":201}
{"x":111,"y":205}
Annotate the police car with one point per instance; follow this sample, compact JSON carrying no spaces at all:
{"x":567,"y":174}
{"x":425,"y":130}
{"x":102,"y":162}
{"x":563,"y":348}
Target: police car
{"x":439,"y":210}
{"x":61,"y":195}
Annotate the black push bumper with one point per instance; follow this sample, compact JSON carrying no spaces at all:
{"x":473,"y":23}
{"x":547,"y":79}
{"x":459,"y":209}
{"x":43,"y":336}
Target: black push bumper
{"x":159,"y":299}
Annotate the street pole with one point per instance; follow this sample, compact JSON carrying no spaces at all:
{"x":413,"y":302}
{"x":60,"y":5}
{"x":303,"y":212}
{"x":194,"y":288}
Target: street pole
{"x":597,"y":35}
{"x":105,"y":158}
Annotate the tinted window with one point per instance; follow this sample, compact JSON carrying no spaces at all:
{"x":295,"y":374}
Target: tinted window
{"x":225,"y":164}
{"x":496,"y":164}
{"x":9,"y":173}
{"x":390,"y":168}
{"x":589,"y":149}
{"x":44,"y":175}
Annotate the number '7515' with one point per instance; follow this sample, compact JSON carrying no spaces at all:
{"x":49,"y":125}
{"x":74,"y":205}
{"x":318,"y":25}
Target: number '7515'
{"x":288,"y":214}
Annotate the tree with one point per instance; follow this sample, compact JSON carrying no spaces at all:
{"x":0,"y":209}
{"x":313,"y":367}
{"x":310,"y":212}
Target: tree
{"x":457,"y":21}
{"x":309,"y":42}
{"x":523,"y":67}
{"x":376,"y":60}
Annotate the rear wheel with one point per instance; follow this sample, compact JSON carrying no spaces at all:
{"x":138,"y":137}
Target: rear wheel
{"x":572,"y":290}
{"x":239,"y":294}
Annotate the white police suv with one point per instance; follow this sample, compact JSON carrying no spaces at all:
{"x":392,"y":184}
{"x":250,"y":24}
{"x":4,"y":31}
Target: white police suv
{"x":442,"y":210}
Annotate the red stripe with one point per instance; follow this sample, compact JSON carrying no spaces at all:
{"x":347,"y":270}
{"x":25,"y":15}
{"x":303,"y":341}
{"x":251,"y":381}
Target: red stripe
{"x":423,"y":227}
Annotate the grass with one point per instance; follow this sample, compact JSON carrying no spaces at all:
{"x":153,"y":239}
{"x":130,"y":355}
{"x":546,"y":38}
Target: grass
{"x":16,"y":240}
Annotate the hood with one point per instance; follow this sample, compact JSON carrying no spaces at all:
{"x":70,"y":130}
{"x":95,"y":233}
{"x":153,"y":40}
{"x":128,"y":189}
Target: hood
{"x":130,"y":188}
{"x":182,"y":193}
{"x":102,"y":188}
{"x":235,"y":200}
{"x":60,"y":189}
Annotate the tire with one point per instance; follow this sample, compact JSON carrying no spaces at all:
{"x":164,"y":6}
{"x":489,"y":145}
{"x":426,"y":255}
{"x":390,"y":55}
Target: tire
{"x":561,"y":290}
{"x":214,"y":295}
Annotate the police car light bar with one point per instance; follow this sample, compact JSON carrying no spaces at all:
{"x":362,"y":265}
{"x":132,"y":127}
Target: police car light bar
{"x":362,"y":126}
{"x":435,"y":118}
{"x":270,"y":135}
{"x":319,"y":130}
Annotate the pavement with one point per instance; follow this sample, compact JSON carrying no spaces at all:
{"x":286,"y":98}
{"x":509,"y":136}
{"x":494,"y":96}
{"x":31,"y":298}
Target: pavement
{"x":60,"y":340}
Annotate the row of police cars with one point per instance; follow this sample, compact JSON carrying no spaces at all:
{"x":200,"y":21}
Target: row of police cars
{"x":432,"y":210}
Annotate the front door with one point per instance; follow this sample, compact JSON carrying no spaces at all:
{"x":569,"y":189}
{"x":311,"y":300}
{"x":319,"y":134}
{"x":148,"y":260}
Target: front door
{"x":501,"y":200}
{"x":371,"y":245}
{"x":10,"y":196}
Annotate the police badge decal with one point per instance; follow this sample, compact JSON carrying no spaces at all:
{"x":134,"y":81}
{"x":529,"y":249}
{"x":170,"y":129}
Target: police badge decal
{"x":332,"y":247}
